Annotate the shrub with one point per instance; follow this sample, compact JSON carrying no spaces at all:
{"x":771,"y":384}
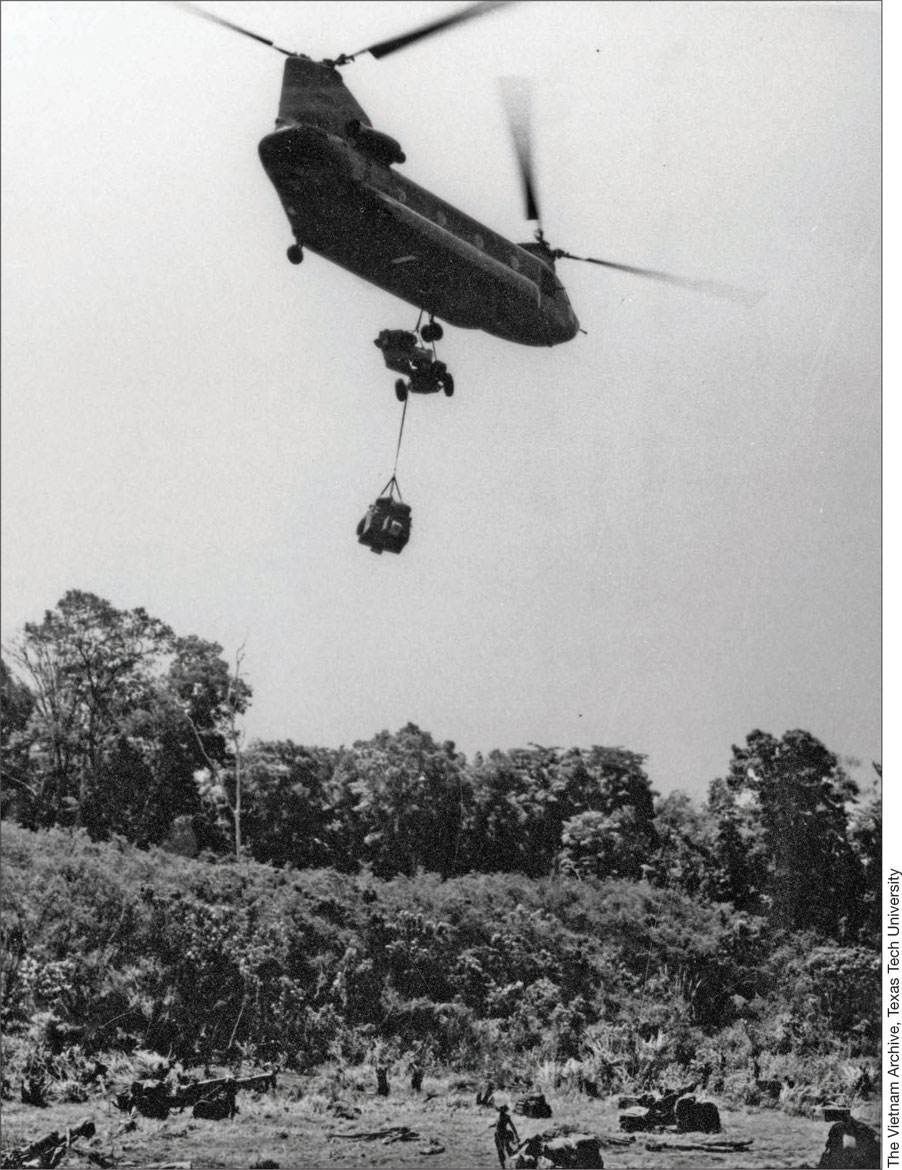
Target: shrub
{"x":119,"y":948}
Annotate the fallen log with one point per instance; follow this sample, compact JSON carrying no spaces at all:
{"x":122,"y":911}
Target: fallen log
{"x":160,"y":1165}
{"x":725,"y":1147}
{"x":404,"y":1135}
{"x":397,"y":1133}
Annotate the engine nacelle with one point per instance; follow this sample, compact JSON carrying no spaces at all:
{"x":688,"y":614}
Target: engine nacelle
{"x":381,"y":148}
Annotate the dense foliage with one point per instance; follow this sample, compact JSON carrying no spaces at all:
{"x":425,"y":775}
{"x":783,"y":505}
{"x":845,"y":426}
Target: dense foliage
{"x":119,"y":947}
{"x":168,"y":887}
{"x":120,"y":715}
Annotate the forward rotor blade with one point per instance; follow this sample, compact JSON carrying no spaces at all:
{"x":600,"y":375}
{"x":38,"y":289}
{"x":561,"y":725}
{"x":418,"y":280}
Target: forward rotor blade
{"x":712,"y":288}
{"x":195,"y":11}
{"x":516,"y":95}
{"x":383,"y":48}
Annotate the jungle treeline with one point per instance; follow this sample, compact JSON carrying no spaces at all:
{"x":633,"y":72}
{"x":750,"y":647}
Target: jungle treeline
{"x":170,"y":886}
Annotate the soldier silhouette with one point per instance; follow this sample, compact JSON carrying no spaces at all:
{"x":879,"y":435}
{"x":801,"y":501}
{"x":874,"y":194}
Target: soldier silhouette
{"x":506,"y":1137}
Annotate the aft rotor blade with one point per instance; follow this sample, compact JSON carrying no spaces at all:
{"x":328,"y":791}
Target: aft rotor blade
{"x":713,"y":288}
{"x":515,"y":94}
{"x":195,"y":11}
{"x":383,"y":48}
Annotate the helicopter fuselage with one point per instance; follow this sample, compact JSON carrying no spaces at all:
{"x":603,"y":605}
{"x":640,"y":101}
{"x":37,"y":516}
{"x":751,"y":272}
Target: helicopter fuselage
{"x":345,"y":201}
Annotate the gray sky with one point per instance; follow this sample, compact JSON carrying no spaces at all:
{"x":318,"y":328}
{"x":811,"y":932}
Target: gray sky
{"x":661,"y":535}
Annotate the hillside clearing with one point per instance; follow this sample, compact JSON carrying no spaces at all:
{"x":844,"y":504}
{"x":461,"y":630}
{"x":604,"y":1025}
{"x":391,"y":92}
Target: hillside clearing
{"x":292,"y":1130}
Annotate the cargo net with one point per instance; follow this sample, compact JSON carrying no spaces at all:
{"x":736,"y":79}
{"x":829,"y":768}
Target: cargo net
{"x":386,"y":525}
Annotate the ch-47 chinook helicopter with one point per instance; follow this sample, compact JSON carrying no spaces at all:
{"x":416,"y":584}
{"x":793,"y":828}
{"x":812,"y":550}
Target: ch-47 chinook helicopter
{"x":335,"y":176}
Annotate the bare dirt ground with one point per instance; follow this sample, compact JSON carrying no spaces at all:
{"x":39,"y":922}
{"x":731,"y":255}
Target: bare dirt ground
{"x":294,"y":1129}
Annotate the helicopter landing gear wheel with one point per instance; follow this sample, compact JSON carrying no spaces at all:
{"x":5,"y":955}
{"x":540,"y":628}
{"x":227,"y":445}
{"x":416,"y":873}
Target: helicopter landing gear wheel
{"x":448,"y":385}
{"x":401,"y":390}
{"x":295,"y":254}
{"x":432,"y":332}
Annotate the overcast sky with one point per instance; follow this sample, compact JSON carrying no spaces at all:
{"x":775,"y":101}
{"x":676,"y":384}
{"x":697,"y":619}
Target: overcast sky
{"x":662,"y":535}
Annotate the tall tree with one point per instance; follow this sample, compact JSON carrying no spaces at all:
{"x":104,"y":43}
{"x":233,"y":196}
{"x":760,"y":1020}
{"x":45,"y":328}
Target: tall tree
{"x":90,"y":668}
{"x":412,"y":802}
{"x":16,"y":707}
{"x":685,"y":856}
{"x":124,"y":715}
{"x":866,"y":837}
{"x":610,"y":827}
{"x":212,"y":700}
{"x":591,"y":812}
{"x":499,"y":837}
{"x":800,"y":795}
{"x":294,"y":813}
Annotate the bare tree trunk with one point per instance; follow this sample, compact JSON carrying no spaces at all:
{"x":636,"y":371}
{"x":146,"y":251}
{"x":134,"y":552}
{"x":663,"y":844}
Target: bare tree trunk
{"x":237,"y":739}
{"x":237,"y":811}
{"x":236,"y":736}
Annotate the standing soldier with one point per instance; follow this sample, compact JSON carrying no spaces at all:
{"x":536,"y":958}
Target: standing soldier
{"x":506,"y":1137}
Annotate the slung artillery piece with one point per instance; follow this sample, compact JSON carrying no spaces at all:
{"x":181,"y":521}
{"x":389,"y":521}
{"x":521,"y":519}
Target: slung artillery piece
{"x":402,"y":353}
